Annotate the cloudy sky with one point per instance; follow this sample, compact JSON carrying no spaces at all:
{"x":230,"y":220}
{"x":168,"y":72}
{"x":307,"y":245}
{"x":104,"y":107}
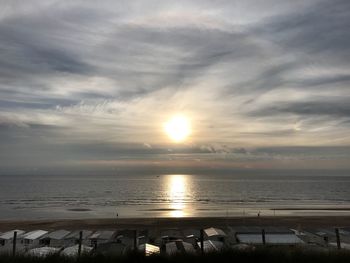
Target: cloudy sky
{"x":90,"y":84}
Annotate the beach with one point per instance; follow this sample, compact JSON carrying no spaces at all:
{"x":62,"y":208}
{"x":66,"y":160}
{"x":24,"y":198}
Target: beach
{"x":176,"y":223}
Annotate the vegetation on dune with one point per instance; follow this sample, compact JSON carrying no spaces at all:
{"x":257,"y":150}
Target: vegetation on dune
{"x":259,"y":255}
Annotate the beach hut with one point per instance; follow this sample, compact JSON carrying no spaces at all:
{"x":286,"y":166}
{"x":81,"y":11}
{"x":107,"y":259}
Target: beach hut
{"x":179,"y":246}
{"x":327,"y":236}
{"x":211,"y":245}
{"x":73,"y":251}
{"x":213,"y":233}
{"x":6,"y":241}
{"x":100,"y":237}
{"x":7,"y":237}
{"x":168,"y":235}
{"x":171,"y":234}
{"x":309,"y":237}
{"x":320,"y":236}
{"x":149,"y":249}
{"x":43,"y":251}
{"x":55,"y":238}
{"x":281,"y":236}
{"x":345,"y":230}
{"x":127,"y":237}
{"x":249,"y":238}
{"x":277,"y":239}
{"x":142,"y":238}
{"x":344,"y":234}
{"x":274,"y":236}
{"x":73,"y":238}
{"x":191,"y":236}
{"x":32,"y":238}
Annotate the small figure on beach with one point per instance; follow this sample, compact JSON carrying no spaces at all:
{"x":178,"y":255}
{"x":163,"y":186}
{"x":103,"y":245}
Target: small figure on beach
{"x":259,"y":214}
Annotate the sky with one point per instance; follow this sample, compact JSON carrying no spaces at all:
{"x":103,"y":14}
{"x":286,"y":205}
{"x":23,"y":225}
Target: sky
{"x":88,"y":85}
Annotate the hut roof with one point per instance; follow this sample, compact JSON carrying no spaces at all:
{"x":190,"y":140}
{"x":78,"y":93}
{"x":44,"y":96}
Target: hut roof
{"x":149,"y":249}
{"x":34,"y":234}
{"x":9,"y":235}
{"x":105,"y":234}
{"x":57,"y":234}
{"x":76,"y":234}
{"x":212,"y":232}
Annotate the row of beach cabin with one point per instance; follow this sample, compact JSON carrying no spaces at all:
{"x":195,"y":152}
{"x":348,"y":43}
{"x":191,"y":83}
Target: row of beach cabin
{"x":169,"y":241}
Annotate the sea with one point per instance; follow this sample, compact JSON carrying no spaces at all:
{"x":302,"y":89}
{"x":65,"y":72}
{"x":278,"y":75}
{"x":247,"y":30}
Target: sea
{"x":174,"y":195}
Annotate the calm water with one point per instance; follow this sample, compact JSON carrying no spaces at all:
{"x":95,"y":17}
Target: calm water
{"x":34,"y":197}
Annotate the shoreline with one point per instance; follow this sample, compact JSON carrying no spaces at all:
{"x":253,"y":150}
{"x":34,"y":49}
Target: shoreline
{"x":185,"y":222}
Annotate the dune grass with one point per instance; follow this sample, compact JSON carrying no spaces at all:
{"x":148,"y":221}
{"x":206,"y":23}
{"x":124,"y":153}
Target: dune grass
{"x":258,"y":255}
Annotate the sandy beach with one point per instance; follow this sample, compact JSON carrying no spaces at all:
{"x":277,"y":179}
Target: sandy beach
{"x":149,"y":223}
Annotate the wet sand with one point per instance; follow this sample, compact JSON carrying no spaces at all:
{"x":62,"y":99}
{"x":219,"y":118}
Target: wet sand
{"x":151,"y":223}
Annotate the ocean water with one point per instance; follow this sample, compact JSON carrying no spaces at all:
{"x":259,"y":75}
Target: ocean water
{"x":172,"y":195}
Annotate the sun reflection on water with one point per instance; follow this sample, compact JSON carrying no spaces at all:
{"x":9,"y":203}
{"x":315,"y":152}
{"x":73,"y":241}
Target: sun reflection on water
{"x":177,"y":188}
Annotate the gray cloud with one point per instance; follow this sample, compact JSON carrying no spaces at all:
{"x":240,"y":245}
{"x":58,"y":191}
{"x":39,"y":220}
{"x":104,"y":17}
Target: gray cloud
{"x":320,"y":29}
{"x":335,"y":109}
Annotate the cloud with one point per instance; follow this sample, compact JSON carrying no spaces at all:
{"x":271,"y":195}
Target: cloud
{"x":335,"y":109}
{"x":106,"y":77}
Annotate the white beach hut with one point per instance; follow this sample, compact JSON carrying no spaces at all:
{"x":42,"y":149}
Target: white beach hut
{"x":54,"y":238}
{"x":7,"y":237}
{"x":6,"y":241}
{"x":317,"y":236}
{"x":277,"y":239}
{"x":32,"y":238}
{"x":149,"y":249}
{"x":250,"y":238}
{"x":211,"y":245}
{"x":73,"y":238}
{"x":274,"y":236}
{"x":100,"y":237}
{"x":213,"y":233}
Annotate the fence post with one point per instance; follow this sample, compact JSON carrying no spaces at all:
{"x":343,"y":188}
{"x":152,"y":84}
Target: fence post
{"x":135,"y":240}
{"x":80,"y":242}
{"x":202,"y":240}
{"x":14,"y":241}
{"x":263,"y":236}
{"x":338,"y":238}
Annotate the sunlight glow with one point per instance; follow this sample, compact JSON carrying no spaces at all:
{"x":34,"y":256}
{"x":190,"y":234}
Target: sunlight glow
{"x":178,"y":128}
{"x":177,"y":193}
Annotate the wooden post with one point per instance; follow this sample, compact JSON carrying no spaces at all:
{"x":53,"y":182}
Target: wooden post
{"x":14,"y":241}
{"x":263,"y":236}
{"x":80,"y":242}
{"x":135,"y":240}
{"x":202,"y":240}
{"x":338,"y":238}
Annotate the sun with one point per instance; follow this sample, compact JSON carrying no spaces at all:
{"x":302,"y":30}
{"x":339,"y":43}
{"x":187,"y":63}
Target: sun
{"x":178,"y":128}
